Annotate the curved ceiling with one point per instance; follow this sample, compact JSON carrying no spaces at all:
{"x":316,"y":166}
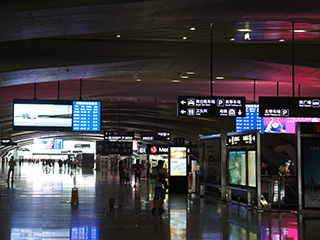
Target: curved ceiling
{"x":137,"y":57}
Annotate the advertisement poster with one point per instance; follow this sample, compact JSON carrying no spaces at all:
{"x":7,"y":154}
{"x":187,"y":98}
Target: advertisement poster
{"x":311,"y":172}
{"x":237,"y":167}
{"x":178,"y":161}
{"x":252,"y":173}
{"x":210,"y":155}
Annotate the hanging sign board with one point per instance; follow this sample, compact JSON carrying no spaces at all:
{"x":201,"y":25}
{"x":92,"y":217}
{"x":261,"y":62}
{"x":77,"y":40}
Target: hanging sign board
{"x":118,"y":136}
{"x":105,"y":148}
{"x":289,"y":106}
{"x":242,"y":139}
{"x":201,"y":106}
{"x":155,"y":136}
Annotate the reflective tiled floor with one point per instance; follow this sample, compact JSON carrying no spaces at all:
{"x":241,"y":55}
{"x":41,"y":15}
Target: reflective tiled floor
{"x":37,"y":206}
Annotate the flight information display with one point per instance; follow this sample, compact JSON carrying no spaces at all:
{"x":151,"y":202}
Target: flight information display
{"x":211,"y":106}
{"x":86,"y":116}
{"x":289,"y":106}
{"x":252,"y":120}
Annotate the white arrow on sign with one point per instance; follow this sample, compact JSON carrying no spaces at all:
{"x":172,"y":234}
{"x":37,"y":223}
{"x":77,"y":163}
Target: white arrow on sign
{"x":183,"y":111}
{"x":239,"y":112}
{"x":183,"y":102}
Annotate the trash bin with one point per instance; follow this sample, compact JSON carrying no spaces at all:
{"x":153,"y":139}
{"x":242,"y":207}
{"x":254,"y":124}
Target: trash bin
{"x":74,"y":196}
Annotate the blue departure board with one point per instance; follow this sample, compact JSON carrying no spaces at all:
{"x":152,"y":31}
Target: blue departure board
{"x":252,"y":120}
{"x":86,"y":116}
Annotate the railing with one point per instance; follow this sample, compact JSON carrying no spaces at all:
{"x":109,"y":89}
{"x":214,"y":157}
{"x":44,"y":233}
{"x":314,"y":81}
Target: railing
{"x":279,"y":191}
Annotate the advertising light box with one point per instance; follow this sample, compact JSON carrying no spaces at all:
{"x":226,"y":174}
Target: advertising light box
{"x":289,"y":106}
{"x":178,"y":161}
{"x":237,"y":168}
{"x":86,"y":116}
{"x":200,"y":106}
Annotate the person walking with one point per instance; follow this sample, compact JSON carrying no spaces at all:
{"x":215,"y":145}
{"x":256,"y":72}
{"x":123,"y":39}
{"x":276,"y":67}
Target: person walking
{"x":159,"y":174}
{"x":12,"y":164}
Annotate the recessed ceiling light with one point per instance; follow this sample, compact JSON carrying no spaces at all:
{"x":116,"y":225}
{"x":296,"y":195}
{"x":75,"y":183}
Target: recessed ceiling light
{"x":244,"y":30}
{"x":184,"y":38}
{"x":281,"y":40}
{"x":232,"y":39}
{"x":299,"y":31}
{"x":175,"y":80}
{"x":184,"y":76}
{"x":190,"y":73}
{"x":138,"y":80}
{"x":118,"y":35}
{"x":192,"y":29}
{"x":219,"y":78}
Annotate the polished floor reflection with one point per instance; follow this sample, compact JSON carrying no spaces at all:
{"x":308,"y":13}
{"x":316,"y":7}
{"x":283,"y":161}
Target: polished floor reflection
{"x":37,"y":205}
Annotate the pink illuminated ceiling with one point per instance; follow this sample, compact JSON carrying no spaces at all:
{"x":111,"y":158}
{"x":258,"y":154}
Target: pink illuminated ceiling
{"x":129,"y":52}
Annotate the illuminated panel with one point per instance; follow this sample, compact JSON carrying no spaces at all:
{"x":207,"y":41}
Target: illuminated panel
{"x":86,"y":116}
{"x":178,"y":161}
{"x":284,"y":125}
{"x":252,"y":121}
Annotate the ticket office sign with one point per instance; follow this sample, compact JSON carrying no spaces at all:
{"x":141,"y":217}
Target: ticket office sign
{"x":193,"y":106}
{"x":289,"y":106}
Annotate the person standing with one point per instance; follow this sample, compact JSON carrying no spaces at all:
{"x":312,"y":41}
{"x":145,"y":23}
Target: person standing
{"x":137,"y":167}
{"x":122,"y":172}
{"x":159,"y":174}
{"x":12,"y":164}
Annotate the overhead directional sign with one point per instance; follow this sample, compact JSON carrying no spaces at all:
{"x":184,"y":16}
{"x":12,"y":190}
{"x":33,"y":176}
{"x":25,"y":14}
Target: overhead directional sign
{"x":155,"y":136}
{"x":242,"y":138}
{"x":200,"y":106}
{"x":118,"y":136}
{"x":289,"y":106}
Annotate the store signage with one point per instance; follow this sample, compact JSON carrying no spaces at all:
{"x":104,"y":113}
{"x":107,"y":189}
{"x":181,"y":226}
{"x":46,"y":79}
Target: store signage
{"x":242,"y":139}
{"x":157,"y":149}
{"x":105,"y":148}
{"x":156,"y":136}
{"x":118,"y":136}
{"x":201,"y":106}
{"x":289,"y":106}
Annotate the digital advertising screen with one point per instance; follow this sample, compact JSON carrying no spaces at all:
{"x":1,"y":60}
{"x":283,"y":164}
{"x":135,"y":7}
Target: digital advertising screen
{"x":284,"y":125}
{"x":237,"y":167}
{"x":252,"y":121}
{"x":86,"y":116}
{"x":42,"y":114}
{"x":178,"y":161}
